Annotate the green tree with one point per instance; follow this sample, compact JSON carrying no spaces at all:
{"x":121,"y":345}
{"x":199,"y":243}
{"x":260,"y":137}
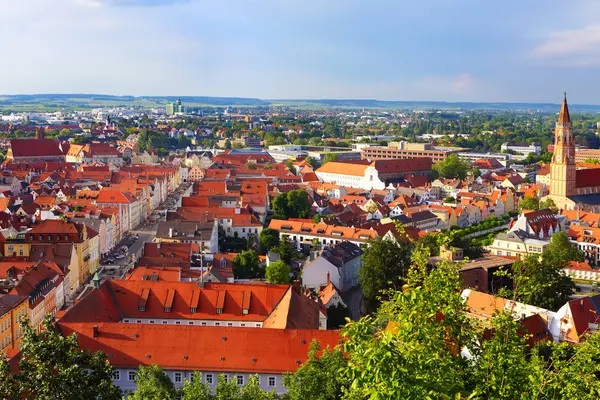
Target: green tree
{"x":246,"y":265}
{"x":293,"y":204}
{"x":54,"y":367}
{"x":319,"y":377}
{"x":194,"y":389}
{"x":540,"y":281}
{"x":452,"y":167}
{"x":385,"y":265}
{"x":529,"y":203}
{"x":410,"y":349}
{"x":548,"y":203}
{"x":9,"y":385}
{"x":329,"y":157}
{"x":153,"y":384}
{"x":289,"y":164}
{"x":280,"y":206}
{"x":227,"y":145}
{"x":298,"y":204}
{"x":278,"y":272}
{"x":269,"y":238}
{"x":285,"y":249}
{"x":183,"y":142}
{"x":226,"y":390}
{"x":317,"y":218}
{"x":311,"y":161}
{"x":449,"y":199}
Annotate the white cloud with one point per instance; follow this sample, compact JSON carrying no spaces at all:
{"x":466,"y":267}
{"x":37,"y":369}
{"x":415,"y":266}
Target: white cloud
{"x":571,"y":48}
{"x":462,"y":83}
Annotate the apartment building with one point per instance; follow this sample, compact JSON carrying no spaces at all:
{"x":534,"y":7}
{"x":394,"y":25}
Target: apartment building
{"x":403,"y":150}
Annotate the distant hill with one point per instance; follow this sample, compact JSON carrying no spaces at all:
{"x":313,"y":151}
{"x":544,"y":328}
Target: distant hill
{"x":58,"y":101}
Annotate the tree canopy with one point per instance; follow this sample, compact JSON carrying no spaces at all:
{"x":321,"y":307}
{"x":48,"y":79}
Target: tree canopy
{"x":385,"y":264}
{"x":539,"y":280}
{"x":246,"y":265}
{"x":278,"y":272}
{"x":452,"y":167}
{"x":54,"y":367}
{"x":269,"y":238}
{"x":293,"y":204}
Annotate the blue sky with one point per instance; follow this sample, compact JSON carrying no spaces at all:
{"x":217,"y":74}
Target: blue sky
{"x":458,"y":50}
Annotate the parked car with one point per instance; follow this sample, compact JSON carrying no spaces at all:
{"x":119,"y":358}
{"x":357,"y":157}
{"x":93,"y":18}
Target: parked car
{"x":109,"y":261}
{"x":120,"y":256}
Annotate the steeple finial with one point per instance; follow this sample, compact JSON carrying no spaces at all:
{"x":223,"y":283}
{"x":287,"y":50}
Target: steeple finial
{"x":564,"y":117}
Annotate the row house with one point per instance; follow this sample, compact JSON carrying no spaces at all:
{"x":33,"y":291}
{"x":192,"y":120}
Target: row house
{"x":304,"y":233}
{"x":13,"y":307}
{"x":541,"y":224}
{"x":234,"y":222}
{"x":338,"y":264}
{"x":516,"y":244}
{"x":44,"y":286}
{"x":205,"y":235}
{"x":56,"y":232}
{"x":587,"y":239}
{"x":130,"y":208}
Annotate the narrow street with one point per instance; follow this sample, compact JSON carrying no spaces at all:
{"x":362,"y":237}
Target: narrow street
{"x":119,"y":261}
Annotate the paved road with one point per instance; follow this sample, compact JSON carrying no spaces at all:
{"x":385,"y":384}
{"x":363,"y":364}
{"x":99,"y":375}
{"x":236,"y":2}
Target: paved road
{"x":119,"y":267}
{"x":145,"y":233}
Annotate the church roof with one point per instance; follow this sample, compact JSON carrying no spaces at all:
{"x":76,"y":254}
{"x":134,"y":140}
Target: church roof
{"x":564,"y":117}
{"x":587,"y":178}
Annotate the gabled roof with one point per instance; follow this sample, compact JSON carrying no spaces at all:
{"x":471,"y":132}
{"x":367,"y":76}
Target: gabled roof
{"x":35,"y":148}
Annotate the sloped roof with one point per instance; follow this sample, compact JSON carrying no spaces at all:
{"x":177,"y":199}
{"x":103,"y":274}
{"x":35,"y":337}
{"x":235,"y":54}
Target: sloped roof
{"x":182,"y":347}
{"x":35,"y":148}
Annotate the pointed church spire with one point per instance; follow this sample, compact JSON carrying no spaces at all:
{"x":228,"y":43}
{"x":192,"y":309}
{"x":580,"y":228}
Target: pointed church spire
{"x":564,"y":117}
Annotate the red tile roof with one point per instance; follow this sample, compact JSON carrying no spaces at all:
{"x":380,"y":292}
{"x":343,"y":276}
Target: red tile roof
{"x":218,"y":349}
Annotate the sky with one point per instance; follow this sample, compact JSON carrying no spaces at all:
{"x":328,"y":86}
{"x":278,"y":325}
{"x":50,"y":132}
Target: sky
{"x":417,"y":50}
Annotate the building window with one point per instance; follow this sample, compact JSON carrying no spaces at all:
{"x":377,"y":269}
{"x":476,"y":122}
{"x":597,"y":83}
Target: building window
{"x":116,"y":375}
{"x":240,"y":380}
{"x":209,"y":379}
{"x":272,"y":381}
{"x":131,"y":376}
{"x":178,"y":377}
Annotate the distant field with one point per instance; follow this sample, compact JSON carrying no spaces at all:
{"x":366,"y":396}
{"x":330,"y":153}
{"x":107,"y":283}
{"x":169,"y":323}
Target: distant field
{"x":70,"y":102}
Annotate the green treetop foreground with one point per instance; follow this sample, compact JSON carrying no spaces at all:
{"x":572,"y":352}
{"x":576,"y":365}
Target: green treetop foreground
{"x":419,"y":344}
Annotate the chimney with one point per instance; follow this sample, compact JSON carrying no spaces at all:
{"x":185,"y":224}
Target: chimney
{"x":170,"y":232}
{"x":95,"y":331}
{"x":296,"y":286}
{"x":158,"y":245}
{"x":328,"y":277}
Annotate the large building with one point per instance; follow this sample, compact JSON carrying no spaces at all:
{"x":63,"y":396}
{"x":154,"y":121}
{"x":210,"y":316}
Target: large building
{"x":175,"y":108}
{"x":522,"y":149}
{"x":571,"y":188}
{"x":23,"y":151}
{"x":237,"y":330}
{"x":372,"y":175}
{"x":403,"y":150}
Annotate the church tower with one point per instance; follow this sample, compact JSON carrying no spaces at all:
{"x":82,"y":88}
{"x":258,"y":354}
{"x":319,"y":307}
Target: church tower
{"x":562,"y":168}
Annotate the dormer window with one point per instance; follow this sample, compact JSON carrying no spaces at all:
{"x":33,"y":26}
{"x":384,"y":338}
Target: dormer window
{"x":49,"y":238}
{"x":40,"y":238}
